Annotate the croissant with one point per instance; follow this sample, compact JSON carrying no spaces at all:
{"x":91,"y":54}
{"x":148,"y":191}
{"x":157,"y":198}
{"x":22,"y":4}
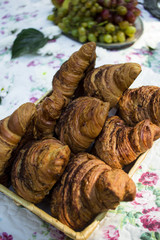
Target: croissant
{"x":66,"y":80}
{"x":108,"y":82}
{"x":140,"y":103}
{"x":37,"y":167}
{"x":48,"y":111}
{"x":81,"y":122}
{"x":12,"y":129}
{"x":118,"y":145}
{"x":87,"y":188}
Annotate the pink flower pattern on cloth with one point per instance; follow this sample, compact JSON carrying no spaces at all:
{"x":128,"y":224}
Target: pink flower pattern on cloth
{"x":143,"y":198}
{"x":151,"y":220}
{"x":149,"y":178}
{"x":5,"y":236}
{"x":111,"y":232}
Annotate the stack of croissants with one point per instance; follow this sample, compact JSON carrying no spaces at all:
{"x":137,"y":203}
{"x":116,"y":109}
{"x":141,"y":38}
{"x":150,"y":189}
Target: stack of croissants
{"x":69,"y":148}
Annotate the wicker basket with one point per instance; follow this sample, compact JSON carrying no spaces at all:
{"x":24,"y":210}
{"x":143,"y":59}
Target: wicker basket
{"x":83,"y":235}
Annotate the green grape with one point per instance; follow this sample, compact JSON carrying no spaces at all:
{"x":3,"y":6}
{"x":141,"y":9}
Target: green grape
{"x":101,"y":30}
{"x":74,"y":32}
{"x":121,"y":36}
{"x":96,"y":33}
{"x":115,"y":39}
{"x":96,"y":5}
{"x":75,"y":2}
{"x":84,"y":24}
{"x":51,"y":17}
{"x":80,"y":14}
{"x":92,"y":37}
{"x":87,"y":13}
{"x":93,"y":10}
{"x":83,"y":9}
{"x":99,"y":9}
{"x":90,"y":24}
{"x":56,"y":20}
{"x":107,"y":3}
{"x":61,"y":12}
{"x":110,"y":27}
{"x":86,"y":19}
{"x":108,"y":38}
{"x":71,"y":15}
{"x":75,"y":19}
{"x":81,"y":31}
{"x":76,"y":8}
{"x":82,"y":38}
{"x":63,"y":27}
{"x":130,"y":31}
{"x":123,"y":25}
{"x":121,"y":10}
{"x":83,"y":1}
{"x":101,"y":38}
{"x":65,"y":20}
{"x":88,"y":4}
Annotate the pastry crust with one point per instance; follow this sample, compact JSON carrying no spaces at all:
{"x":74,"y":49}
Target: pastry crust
{"x":119,"y":145}
{"x":37,"y":168}
{"x":108,"y":82}
{"x":87,"y":188}
{"x":12,"y":129}
{"x":64,"y":85}
{"x":81,"y":122}
{"x":140,"y":103}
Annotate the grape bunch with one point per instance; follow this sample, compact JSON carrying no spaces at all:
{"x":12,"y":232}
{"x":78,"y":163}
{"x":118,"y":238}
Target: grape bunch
{"x":106,"y":21}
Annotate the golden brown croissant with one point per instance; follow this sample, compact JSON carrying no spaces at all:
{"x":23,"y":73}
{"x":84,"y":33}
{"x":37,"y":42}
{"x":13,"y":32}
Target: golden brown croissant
{"x":108,"y":82}
{"x":119,"y":145}
{"x":12,"y":129}
{"x":48,"y":111}
{"x":140,"y":103}
{"x":87,"y":188}
{"x":81,"y":122}
{"x":37,"y":167}
{"x":66,"y":80}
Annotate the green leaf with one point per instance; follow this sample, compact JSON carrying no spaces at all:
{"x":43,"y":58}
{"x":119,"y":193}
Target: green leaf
{"x":149,"y":187}
{"x":120,"y":209}
{"x":158,"y":202}
{"x":146,"y":236}
{"x":140,"y":186}
{"x":156,"y":192}
{"x":125,"y":220}
{"x":28,"y":41}
{"x":157,"y":235}
{"x":137,"y":214}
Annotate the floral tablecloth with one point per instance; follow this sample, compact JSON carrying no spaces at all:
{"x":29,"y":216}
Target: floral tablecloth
{"x":28,"y":78}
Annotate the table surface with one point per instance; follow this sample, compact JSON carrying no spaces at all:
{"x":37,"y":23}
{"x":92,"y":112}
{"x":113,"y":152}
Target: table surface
{"x":27,"y":78}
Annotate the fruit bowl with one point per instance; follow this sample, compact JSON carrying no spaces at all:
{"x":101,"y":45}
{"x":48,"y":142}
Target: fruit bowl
{"x":115,"y":46}
{"x":111,"y":24}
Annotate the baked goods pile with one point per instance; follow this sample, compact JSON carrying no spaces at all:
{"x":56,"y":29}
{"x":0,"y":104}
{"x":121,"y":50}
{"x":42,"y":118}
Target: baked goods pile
{"x":68,"y":146}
